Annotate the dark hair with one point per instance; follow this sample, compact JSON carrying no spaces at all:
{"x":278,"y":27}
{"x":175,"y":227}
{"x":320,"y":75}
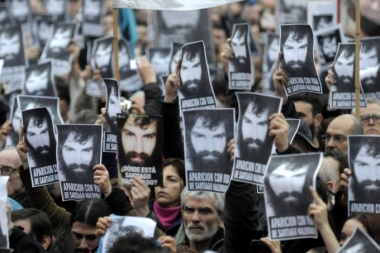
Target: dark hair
{"x":40,"y":224}
{"x":310,"y":98}
{"x":356,"y":143}
{"x":179,"y":166}
{"x":297,"y":34}
{"x":136,"y":243}
{"x":88,"y":211}
{"x":346,"y":51}
{"x":63,"y":93}
{"x":339,"y":156}
{"x":371,"y":222}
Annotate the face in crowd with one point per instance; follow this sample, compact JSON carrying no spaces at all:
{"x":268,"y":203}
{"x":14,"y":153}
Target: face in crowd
{"x":77,"y":156}
{"x":370,"y":118}
{"x":209,"y":143}
{"x":169,"y":194}
{"x":139,"y":142}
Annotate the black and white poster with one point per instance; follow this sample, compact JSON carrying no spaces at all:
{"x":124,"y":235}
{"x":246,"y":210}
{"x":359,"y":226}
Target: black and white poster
{"x":56,"y":48}
{"x":175,"y":56}
{"x":364,"y":184}
{"x":21,"y":13}
{"x":293,"y":128}
{"x":253,"y":143}
{"x":287,"y":195}
{"x":271,"y":51}
{"x":370,"y":66}
{"x":207,"y":161}
{"x":5,"y":17}
{"x":56,"y":8}
{"x":93,"y":14}
{"x":139,"y":147}
{"x":240,"y":67}
{"x":183,"y":27}
{"x":15,"y":119}
{"x":196,"y":91}
{"x":12,"y":50}
{"x":112,"y":109}
{"x":322,"y":14}
{"x":39,"y":80}
{"x":160,"y":59}
{"x":327,"y":44}
{"x":291,"y":11}
{"x":125,"y":225}
{"x":4,"y":238}
{"x":43,"y":25}
{"x":26,"y":102}
{"x":297,"y":46}
{"x":40,"y":139}
{"x":130,"y":79}
{"x":79,"y":149}
{"x":360,"y":241}
{"x":342,"y":94}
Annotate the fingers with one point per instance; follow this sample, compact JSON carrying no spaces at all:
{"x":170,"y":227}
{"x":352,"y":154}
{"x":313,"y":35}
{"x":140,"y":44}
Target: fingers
{"x":279,"y":59}
{"x":178,"y":67}
{"x":102,"y":225}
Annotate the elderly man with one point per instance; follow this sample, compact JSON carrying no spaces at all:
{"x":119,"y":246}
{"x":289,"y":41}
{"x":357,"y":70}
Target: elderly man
{"x":338,"y":130}
{"x":370,"y":116}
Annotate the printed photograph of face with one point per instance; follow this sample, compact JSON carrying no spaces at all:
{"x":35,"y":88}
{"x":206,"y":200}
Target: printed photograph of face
{"x":194,"y":75}
{"x":16,"y":117}
{"x":297,"y":47}
{"x":364,"y":157}
{"x":56,"y":8}
{"x":272,"y":50}
{"x":344,"y":67}
{"x":160,"y":58}
{"x":113,"y":104}
{"x":102,"y":56}
{"x":286,"y":184}
{"x":11,"y":47}
{"x":294,"y":9}
{"x":19,"y":10}
{"x":360,"y":242}
{"x":207,"y":135}
{"x":5,"y":21}
{"x":39,"y":136}
{"x":239,"y":44}
{"x":140,"y":139}
{"x":253,"y":141}
{"x":175,"y":56}
{"x":322,"y":22}
{"x":369,"y":57}
{"x":124,"y":66}
{"x":43,"y":28}
{"x":60,"y":40}
{"x":183,"y":23}
{"x":38,"y":81}
{"x":328,"y":43}
{"x":78,"y":152}
{"x":92,"y":11}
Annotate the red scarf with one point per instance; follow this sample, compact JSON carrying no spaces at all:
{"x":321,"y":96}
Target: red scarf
{"x":166,"y":215}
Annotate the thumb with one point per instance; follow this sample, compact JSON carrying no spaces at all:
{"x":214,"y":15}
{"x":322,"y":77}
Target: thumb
{"x":279,"y":59}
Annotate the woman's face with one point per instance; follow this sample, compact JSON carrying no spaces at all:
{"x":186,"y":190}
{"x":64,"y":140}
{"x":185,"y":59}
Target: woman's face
{"x":349,"y":228}
{"x":170,"y":194}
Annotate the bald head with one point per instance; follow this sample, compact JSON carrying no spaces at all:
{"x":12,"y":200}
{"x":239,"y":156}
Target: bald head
{"x":338,"y":131}
{"x":9,"y":158}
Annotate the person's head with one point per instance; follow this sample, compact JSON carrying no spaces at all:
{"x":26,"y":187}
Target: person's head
{"x":206,"y":137}
{"x":176,"y":48}
{"x":64,"y":100}
{"x":187,"y":22}
{"x":123,"y":57}
{"x":35,"y":223}
{"x":160,"y":60}
{"x":327,"y":175}
{"x":338,"y":130}
{"x":367,"y":222}
{"x":77,"y":153}
{"x":83,"y":223}
{"x":344,"y":64}
{"x":113,"y":104}
{"x":39,"y":136}
{"x":140,"y":138}
{"x":173,"y":182}
{"x":322,"y":22}
{"x":370,"y":116}
{"x":15,"y":122}
{"x":103,"y":55}
{"x":60,"y":40}
{"x":9,"y":164}
{"x":238,"y":44}
{"x":10,"y":45}
{"x":273,"y":49}
{"x":254,"y":121}
{"x":303,"y":140}
{"x":44,"y":30}
{"x":338,"y":162}
{"x":309,"y":109}
{"x":135,"y":242}
{"x":37,"y":81}
{"x":329,"y":45}
{"x":55,"y":7}
{"x":369,"y":54}
{"x":295,"y":44}
{"x":92,"y":9}
{"x":202,"y":214}
{"x":19,"y":8}
{"x":364,"y":156}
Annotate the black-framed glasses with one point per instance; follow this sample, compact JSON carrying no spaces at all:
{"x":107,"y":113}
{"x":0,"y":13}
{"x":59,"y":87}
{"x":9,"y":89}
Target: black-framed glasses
{"x":366,"y":118}
{"x":7,"y":171}
{"x":338,"y":138}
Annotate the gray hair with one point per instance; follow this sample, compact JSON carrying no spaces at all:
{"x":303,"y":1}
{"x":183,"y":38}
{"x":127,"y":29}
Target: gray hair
{"x":327,"y":172}
{"x":371,"y":100}
{"x":200,"y":195}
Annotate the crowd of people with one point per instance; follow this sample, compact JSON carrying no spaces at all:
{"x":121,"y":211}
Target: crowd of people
{"x":187,"y":220}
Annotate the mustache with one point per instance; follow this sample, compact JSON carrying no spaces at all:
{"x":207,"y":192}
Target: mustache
{"x":292,"y":63}
{"x":253,"y":141}
{"x":205,"y":153}
{"x":82,"y":166}
{"x":369,"y":183}
{"x":134,"y":154}
{"x":41,"y":149}
{"x":294,"y":194}
{"x":194,"y":81}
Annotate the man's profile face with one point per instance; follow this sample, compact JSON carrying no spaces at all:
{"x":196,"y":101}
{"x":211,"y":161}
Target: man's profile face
{"x":77,"y":156}
{"x":201,"y":218}
{"x":103,"y":56}
{"x":208,"y":144}
{"x":295,"y":52}
{"x":9,"y":46}
{"x":238,"y":46}
{"x":60,"y":40}
{"x":368,"y":58}
{"x":254,"y":128}
{"x":287,"y":182}
{"x":344,"y":68}
{"x":38,"y":136}
{"x":329,"y":47}
{"x":139,"y":142}
{"x":37,"y":82}
{"x":367,"y":167}
{"x":191,"y":71}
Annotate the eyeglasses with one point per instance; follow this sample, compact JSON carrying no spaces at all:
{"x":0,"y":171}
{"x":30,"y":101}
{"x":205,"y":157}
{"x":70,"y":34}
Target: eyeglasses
{"x":7,"y":171}
{"x":366,"y":118}
{"x":338,"y":138}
